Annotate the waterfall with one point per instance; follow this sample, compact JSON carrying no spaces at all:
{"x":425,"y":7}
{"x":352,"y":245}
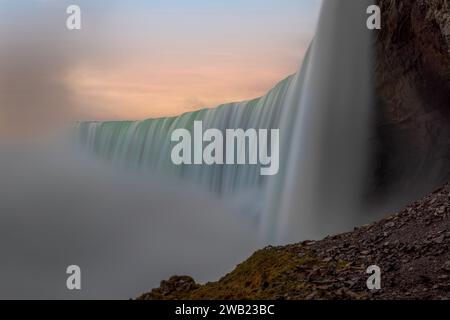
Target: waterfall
{"x":320,"y":191}
{"x":323,"y":114}
{"x":146,"y":145}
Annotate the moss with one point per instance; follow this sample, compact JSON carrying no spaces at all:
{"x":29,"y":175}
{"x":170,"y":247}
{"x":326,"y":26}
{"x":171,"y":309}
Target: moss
{"x":342,"y":265}
{"x":268,"y":273}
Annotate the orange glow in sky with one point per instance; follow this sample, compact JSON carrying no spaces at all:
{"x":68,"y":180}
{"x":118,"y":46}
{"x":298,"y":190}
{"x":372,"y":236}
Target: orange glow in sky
{"x":143,"y":59}
{"x":134,"y":91}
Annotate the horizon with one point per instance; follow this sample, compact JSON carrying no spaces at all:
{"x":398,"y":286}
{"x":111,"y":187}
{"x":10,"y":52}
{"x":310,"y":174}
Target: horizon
{"x":147,"y":59}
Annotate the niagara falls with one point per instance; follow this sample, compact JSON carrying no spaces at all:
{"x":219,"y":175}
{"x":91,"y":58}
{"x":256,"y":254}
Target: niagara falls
{"x":147,"y":140}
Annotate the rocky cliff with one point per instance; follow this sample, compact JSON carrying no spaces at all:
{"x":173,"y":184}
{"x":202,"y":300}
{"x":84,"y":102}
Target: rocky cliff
{"x":413,"y":87}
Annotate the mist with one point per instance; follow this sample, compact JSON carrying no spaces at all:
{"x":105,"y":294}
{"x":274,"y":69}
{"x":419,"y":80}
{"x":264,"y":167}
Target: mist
{"x":33,"y":63}
{"x":126,"y":232}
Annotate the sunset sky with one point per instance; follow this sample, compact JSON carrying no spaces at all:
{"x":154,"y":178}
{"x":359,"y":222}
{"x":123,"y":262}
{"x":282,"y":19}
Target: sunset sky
{"x":140,"y":59}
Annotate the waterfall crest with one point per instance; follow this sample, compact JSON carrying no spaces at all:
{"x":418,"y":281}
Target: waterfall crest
{"x":146,"y":145}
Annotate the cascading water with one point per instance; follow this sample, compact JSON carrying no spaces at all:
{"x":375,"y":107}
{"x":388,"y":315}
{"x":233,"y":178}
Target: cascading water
{"x":147,"y":145}
{"x":321,"y":189}
{"x":323,"y":113}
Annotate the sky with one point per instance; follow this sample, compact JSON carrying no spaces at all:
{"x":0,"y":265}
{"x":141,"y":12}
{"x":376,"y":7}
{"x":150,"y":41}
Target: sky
{"x":145,"y":58}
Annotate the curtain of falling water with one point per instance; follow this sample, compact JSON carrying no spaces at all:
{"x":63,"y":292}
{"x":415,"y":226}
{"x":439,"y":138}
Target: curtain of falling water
{"x":319,"y":191}
{"x":146,"y":145}
{"x":323,"y":113}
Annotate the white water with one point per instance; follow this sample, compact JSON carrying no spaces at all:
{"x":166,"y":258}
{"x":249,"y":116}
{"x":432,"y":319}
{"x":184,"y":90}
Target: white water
{"x":321,"y":190}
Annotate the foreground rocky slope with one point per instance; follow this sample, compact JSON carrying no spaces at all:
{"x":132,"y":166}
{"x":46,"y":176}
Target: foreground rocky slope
{"x":411,"y":248}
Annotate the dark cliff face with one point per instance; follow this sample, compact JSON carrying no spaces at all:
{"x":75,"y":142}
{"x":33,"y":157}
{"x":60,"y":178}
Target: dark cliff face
{"x":413,"y":88}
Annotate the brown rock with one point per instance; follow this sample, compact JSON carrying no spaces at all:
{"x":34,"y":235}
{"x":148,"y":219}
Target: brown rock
{"x":413,"y":87}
